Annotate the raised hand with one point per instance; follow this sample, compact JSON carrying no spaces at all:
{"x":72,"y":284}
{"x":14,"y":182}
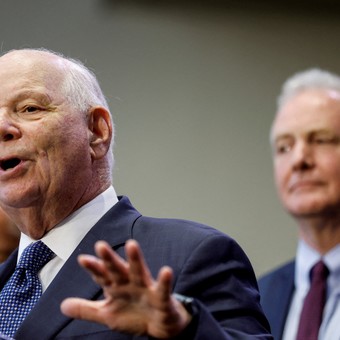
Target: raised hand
{"x":134,"y":302}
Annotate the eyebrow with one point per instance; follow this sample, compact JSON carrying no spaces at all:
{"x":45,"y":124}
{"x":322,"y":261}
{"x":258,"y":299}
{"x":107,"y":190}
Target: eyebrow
{"x":314,"y":132}
{"x":27,"y":94}
{"x":281,"y":137}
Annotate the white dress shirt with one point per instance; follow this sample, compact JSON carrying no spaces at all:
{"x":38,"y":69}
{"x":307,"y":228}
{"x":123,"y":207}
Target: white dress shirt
{"x":306,"y":258}
{"x":66,"y":235}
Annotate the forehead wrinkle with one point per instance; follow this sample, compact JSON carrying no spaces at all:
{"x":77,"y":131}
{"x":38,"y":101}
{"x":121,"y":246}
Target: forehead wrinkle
{"x":27,"y":94}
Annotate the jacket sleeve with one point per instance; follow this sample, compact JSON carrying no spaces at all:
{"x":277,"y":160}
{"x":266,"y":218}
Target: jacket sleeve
{"x":220,"y":278}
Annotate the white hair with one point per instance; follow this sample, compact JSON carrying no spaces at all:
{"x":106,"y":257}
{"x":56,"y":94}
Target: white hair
{"x":81,"y":86}
{"x":309,"y":79}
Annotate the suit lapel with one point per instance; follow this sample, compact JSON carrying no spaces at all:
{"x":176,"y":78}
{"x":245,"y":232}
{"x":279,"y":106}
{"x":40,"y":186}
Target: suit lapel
{"x":46,"y":320}
{"x":7,"y":268}
{"x":282,"y":295}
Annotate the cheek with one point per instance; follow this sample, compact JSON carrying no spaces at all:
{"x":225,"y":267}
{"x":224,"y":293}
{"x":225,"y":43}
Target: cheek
{"x":63,"y":152}
{"x":329,"y":167}
{"x":281,"y":175}
{"x":331,"y":176}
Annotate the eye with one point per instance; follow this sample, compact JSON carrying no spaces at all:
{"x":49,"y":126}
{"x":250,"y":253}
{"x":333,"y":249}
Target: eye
{"x":283,"y":144}
{"x":282,"y":148}
{"x":31,"y":109}
{"x":325,"y":140}
{"x":321,"y":141}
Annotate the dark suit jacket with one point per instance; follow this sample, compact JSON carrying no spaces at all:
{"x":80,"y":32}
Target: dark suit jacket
{"x":207,"y":265}
{"x":276,"y":289}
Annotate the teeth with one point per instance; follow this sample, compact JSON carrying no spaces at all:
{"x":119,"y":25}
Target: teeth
{"x":9,"y":163}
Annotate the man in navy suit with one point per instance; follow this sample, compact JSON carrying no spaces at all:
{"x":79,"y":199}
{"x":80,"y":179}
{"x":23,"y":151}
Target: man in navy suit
{"x":151,"y":278}
{"x":305,"y":138}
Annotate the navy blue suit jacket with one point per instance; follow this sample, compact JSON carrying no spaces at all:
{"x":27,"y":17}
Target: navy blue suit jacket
{"x":276,"y":289}
{"x":207,"y":265}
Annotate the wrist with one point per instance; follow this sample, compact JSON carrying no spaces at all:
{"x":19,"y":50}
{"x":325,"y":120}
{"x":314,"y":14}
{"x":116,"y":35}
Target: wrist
{"x":186,"y":302}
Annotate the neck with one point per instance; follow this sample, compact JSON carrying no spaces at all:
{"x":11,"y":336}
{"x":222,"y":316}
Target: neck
{"x":320,"y":233}
{"x":39,"y":218}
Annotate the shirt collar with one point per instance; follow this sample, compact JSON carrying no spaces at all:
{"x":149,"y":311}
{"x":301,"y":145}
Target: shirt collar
{"x":67,"y":234}
{"x":307,"y":257}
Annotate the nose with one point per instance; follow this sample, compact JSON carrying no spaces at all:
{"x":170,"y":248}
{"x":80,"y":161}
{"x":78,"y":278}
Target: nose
{"x":302,"y":156}
{"x":8,"y":129}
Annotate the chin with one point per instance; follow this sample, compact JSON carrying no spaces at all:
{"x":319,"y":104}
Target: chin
{"x":20,"y":198}
{"x":307,"y":210}
{"x":34,"y":234}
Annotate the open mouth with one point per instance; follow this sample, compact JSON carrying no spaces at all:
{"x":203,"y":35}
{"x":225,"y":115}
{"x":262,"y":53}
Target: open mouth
{"x":9,"y":163}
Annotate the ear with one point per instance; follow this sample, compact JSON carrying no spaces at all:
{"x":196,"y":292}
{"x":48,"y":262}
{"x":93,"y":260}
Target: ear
{"x":100,"y":131}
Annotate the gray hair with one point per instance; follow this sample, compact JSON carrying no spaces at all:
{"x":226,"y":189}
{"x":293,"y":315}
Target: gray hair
{"x":81,"y":86}
{"x":309,"y":79}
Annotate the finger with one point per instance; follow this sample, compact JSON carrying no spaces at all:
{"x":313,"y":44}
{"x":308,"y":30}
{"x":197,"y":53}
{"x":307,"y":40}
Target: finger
{"x":96,"y":268}
{"x":115,"y":265}
{"x":82,"y":309}
{"x":139,"y":271}
{"x":164,"y":283}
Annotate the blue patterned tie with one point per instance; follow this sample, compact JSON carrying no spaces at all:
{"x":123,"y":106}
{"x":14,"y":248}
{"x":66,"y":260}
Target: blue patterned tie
{"x":23,"y":289}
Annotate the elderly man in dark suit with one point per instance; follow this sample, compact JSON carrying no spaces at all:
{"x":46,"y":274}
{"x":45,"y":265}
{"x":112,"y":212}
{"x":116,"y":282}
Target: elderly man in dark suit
{"x":301,"y":298}
{"x":152,"y":278}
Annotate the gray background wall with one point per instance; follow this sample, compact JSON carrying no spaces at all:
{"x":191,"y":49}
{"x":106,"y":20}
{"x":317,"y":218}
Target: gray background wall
{"x":192,"y":87}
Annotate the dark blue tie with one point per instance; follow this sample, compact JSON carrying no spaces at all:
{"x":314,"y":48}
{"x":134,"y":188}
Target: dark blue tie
{"x":23,"y":289}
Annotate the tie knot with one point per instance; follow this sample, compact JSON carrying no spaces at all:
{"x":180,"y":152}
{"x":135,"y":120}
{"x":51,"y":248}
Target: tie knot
{"x":319,"y":271}
{"x":35,"y":256}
